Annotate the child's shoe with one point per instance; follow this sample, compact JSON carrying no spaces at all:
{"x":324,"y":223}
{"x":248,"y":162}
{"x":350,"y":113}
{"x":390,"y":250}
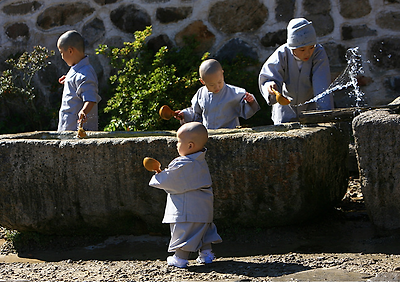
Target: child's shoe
{"x":177,"y":261}
{"x":206,"y":256}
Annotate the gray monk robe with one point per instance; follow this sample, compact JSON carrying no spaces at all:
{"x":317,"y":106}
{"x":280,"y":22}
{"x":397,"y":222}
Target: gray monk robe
{"x":80,"y":85}
{"x":187,"y":182}
{"x":220,"y":110}
{"x":300,"y":81}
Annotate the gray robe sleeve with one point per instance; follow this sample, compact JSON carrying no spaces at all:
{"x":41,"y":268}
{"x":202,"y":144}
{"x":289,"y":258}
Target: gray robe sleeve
{"x":321,"y":78}
{"x":247,"y":110}
{"x":182,"y":175}
{"x":194,"y":112}
{"x":273,"y":70}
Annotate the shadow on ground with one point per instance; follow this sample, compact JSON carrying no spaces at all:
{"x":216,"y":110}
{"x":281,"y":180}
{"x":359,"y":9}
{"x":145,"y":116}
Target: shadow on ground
{"x":346,"y":229}
{"x":339,"y":232}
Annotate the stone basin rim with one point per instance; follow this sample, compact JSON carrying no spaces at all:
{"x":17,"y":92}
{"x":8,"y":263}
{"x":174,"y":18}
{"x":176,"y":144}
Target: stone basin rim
{"x":71,"y":135}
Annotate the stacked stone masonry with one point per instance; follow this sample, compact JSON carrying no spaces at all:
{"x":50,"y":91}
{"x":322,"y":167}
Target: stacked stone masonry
{"x":224,"y":28}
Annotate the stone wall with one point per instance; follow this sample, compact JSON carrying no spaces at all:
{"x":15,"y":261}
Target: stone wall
{"x":224,"y":27}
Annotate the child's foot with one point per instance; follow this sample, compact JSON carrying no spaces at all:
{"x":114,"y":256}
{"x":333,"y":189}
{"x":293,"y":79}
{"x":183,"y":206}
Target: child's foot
{"x":206,"y":256}
{"x":177,"y":261}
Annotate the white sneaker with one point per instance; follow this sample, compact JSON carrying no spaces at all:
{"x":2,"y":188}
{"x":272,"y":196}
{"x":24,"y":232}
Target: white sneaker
{"x":177,"y":261}
{"x":205,"y":257}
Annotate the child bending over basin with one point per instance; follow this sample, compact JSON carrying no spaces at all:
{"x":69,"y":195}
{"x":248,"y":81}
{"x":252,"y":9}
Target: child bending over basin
{"x":299,"y":70}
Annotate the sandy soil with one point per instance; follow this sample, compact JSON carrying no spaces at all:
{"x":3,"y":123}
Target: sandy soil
{"x":340,"y":246}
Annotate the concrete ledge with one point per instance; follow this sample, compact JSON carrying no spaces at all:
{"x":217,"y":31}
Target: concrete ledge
{"x":262,"y":177}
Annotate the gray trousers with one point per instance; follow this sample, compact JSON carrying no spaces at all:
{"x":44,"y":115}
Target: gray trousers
{"x":192,"y":237}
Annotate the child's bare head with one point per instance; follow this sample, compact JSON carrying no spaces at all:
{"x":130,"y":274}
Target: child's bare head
{"x":71,"y":38}
{"x":212,"y":75}
{"x":191,"y":138}
{"x":71,"y":46}
{"x":209,"y":67}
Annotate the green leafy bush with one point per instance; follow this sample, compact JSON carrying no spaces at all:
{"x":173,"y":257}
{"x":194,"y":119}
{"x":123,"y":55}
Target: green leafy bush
{"x":18,"y":95}
{"x":144,"y":81}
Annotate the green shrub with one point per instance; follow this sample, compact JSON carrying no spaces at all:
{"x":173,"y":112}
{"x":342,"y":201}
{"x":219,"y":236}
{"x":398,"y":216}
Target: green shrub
{"x":18,"y":96}
{"x":144,"y":81}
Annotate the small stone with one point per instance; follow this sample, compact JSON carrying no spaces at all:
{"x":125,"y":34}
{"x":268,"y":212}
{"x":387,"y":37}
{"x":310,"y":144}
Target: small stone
{"x":315,"y":7}
{"x":93,"y":31}
{"x":389,"y":20}
{"x":351,"y":32}
{"x":274,"y":39}
{"x":105,"y":2}
{"x":231,"y":16}
{"x":21,"y":8}
{"x":323,"y":23}
{"x":157,"y":42}
{"x":172,"y":14}
{"x":18,"y":30}
{"x":63,"y":14}
{"x":204,"y":37}
{"x":284,"y":10}
{"x":236,"y":47}
{"x":354,"y":9}
{"x":384,"y":53}
{"x":129,"y":18}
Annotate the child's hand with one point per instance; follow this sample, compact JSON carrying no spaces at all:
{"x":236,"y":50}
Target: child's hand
{"x":87,"y":107}
{"x":248,"y":97}
{"x":178,"y":114}
{"x":61,"y":80}
{"x":270,"y":86}
{"x":152,"y":164}
{"x":82,"y":117}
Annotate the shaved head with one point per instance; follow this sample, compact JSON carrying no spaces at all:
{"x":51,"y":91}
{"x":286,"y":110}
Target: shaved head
{"x":193,"y":132}
{"x":209,"y":67}
{"x":71,"y":38}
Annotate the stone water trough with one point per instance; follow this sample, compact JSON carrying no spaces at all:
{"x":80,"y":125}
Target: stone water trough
{"x":262,"y":177}
{"x":377,"y":140}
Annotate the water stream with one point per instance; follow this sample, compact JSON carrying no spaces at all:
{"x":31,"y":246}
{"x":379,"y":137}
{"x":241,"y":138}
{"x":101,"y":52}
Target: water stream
{"x":346,"y":79}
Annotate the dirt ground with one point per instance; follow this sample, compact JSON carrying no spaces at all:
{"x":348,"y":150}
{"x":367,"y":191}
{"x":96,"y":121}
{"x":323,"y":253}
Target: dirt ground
{"x":339,"y":246}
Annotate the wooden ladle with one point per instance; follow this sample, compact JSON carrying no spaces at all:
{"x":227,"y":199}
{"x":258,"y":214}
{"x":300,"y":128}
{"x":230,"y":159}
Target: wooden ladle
{"x":166,"y":113}
{"x":81,"y":131}
{"x":152,"y":164}
{"x":280,"y":98}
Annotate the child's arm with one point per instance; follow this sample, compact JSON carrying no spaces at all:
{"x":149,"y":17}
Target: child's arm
{"x":87,"y":107}
{"x":182,"y":175}
{"x":192,"y":113}
{"x":272,"y":74}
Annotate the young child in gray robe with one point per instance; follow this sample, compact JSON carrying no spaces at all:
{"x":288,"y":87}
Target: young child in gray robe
{"x":216,"y":104}
{"x":80,"y":94}
{"x":189,"y":208}
{"x":299,"y":70}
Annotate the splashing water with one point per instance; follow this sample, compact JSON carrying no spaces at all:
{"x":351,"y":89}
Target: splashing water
{"x":348,"y":78}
